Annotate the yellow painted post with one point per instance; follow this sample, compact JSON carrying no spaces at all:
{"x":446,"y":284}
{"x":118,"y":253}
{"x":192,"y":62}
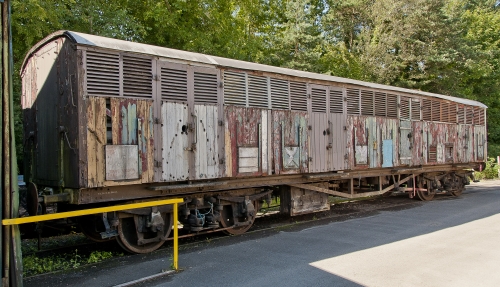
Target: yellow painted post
{"x":176,"y":243}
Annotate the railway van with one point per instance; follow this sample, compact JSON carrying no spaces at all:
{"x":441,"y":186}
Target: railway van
{"x":109,"y":122}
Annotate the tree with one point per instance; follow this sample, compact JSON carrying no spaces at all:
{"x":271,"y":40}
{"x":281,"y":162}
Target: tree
{"x":408,"y":44}
{"x":298,"y":42}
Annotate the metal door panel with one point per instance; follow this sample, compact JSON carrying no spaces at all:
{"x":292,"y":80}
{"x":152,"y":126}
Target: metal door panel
{"x":405,"y":142}
{"x":289,"y":141}
{"x":338,"y":141}
{"x":480,"y":143}
{"x":206,"y":152}
{"x":321,"y":136}
{"x":320,"y":142}
{"x":243,"y":136}
{"x":466,"y":143}
{"x":175,"y":146}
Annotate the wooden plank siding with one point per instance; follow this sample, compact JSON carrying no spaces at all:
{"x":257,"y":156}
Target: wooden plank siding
{"x":175,"y":144}
{"x":130,"y":124}
{"x":338,"y":140}
{"x":289,"y":130}
{"x":202,"y":118}
{"x":207,"y":148}
{"x":244,"y":130}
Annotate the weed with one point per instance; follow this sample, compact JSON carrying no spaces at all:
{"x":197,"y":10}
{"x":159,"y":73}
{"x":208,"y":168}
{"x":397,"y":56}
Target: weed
{"x":34,"y":264}
{"x":98,"y":256}
{"x":489,"y":172}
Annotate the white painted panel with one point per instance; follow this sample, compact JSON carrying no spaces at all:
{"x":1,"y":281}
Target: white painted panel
{"x":361,"y":154}
{"x":206,"y":154}
{"x":201,"y":139}
{"x":248,"y":152}
{"x":212,"y":142}
{"x":248,"y":159}
{"x":122,"y":162}
{"x":175,"y":161}
{"x":291,"y":157}
{"x":248,"y":169}
{"x":248,"y":162}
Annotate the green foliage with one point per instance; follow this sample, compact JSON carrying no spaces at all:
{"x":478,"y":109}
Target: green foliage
{"x":489,"y":172}
{"x":98,"y":256}
{"x":34,"y":264}
{"x":450,"y":47}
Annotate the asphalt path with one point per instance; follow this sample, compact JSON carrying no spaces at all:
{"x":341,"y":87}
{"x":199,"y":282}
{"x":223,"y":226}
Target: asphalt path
{"x":451,"y":241}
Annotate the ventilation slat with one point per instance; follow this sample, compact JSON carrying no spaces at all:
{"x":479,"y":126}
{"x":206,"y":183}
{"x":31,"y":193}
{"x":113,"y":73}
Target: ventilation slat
{"x":436,"y":111}
{"x":380,"y":104}
{"x":257,"y":91}
{"x":445,"y":112}
{"x":366,"y":103}
{"x":318,"y":100}
{"x":353,"y":101}
{"x":103,"y":65}
{"x":461,"y":114}
{"x":205,"y":88}
{"x":173,"y":85}
{"x":404,"y":109}
{"x":469,"y":115}
{"x":453,"y":113}
{"x":137,"y":77}
{"x":102,"y":74}
{"x":336,"y":101}
{"x":234,"y":88}
{"x":392,"y":106}
{"x":426,"y":110}
{"x":478,"y":116}
{"x":415,"y":109}
{"x":279,"y":94}
{"x":298,"y":96}
{"x":432,"y":156}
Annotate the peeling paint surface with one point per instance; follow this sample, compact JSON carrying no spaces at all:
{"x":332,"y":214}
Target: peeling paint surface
{"x":207,"y":148}
{"x":175,"y":131}
{"x":416,"y":150}
{"x":360,"y":142}
{"x":405,"y":142}
{"x":126,"y":122}
{"x":290,"y":141}
{"x":244,"y":130}
{"x":338,"y":139}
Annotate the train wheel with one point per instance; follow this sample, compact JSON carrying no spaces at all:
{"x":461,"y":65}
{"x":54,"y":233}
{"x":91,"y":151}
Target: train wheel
{"x":427,"y":194}
{"x":458,"y":191}
{"x":456,"y":184}
{"x":92,"y":226}
{"x":129,"y":236}
{"x":227,"y":219}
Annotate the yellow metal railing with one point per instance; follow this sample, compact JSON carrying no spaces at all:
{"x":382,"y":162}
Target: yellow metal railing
{"x":45,"y":217}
